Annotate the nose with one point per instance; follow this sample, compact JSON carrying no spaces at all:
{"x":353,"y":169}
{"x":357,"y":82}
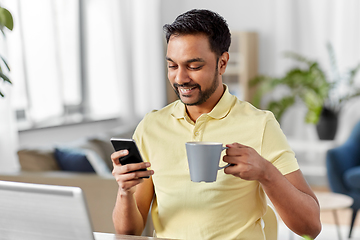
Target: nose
{"x":182,"y":76}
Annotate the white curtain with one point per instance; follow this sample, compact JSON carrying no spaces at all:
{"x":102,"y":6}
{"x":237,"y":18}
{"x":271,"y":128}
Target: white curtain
{"x":148,"y":55}
{"x":132,"y":59}
{"x":8,"y":133}
{"x":122,"y":57}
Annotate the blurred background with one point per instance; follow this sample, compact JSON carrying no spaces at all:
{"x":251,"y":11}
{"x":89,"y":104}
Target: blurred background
{"x":84,"y":67}
{"x":83,"y":71}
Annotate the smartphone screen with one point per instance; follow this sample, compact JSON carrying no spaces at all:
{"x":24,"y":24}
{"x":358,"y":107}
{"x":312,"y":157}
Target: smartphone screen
{"x":134,"y":153}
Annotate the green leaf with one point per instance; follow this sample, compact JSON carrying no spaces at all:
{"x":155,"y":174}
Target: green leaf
{"x":6,"y":19}
{"x":346,"y":98}
{"x":313,"y":115}
{"x":7,"y":66}
{"x":263,"y":85}
{"x":279,"y":107}
{"x":1,"y":94}
{"x":314,"y":103}
{"x":353,"y":73}
{"x":6,"y":79}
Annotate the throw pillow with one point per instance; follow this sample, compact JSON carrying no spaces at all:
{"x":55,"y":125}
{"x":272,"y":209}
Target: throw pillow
{"x":37,"y":160}
{"x":75,"y":160}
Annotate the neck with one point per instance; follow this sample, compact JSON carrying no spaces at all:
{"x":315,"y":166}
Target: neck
{"x":195,"y":112}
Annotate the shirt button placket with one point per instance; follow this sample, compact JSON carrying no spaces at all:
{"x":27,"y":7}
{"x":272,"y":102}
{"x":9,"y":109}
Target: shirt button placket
{"x":197,"y":135}
{"x":197,"y":132}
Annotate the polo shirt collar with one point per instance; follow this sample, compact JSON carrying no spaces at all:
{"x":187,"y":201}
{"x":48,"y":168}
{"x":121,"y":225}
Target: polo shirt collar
{"x":220,"y":110}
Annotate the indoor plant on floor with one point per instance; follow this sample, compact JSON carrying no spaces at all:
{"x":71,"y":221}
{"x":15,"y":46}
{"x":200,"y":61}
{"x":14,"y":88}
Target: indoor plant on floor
{"x":323,"y":95}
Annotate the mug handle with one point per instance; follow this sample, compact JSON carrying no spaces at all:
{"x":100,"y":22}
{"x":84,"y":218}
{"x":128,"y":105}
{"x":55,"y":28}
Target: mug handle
{"x":219,"y":168}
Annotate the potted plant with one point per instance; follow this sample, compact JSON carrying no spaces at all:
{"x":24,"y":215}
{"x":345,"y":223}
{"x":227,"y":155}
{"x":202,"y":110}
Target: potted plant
{"x":322,"y":95}
{"x":6,"y":21}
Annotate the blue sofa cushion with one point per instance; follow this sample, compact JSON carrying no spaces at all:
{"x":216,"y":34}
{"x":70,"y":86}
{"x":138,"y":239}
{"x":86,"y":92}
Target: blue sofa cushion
{"x":352,"y":178}
{"x":73,"y":160}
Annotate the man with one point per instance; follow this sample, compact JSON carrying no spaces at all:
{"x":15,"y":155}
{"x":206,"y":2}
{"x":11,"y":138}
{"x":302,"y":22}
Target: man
{"x":231,"y":207}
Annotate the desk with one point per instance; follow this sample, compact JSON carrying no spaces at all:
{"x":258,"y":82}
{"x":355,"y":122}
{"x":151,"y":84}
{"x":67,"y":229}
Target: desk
{"x":330,"y":201}
{"x":110,"y":236}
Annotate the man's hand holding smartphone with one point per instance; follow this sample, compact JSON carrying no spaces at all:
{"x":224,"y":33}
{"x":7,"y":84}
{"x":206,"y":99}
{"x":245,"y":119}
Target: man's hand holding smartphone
{"x":129,"y":168}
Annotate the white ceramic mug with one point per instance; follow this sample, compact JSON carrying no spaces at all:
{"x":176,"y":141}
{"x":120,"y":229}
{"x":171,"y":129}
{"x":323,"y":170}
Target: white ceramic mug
{"x":203,"y":160}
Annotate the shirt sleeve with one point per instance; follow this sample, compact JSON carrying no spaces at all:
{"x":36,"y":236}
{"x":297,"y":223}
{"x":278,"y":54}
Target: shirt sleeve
{"x":276,"y":149}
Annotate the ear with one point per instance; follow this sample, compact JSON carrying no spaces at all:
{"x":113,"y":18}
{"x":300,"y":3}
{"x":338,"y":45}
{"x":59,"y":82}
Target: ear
{"x":223,"y":61}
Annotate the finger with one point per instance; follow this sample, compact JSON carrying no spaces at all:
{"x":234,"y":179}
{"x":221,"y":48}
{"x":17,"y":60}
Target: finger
{"x":116,"y":155}
{"x":236,"y":170}
{"x":231,"y":159}
{"x":144,"y":174}
{"x":131,"y":167}
{"x":236,"y":145}
{"x":131,"y":175}
{"x":237,"y":149}
{"x":137,"y":174}
{"x":129,"y":180}
{"x":230,"y":169}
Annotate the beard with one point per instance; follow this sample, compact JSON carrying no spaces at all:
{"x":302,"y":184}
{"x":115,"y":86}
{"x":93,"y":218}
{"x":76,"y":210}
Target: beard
{"x":204,"y":95}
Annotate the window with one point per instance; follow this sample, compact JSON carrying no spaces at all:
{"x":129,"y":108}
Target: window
{"x":63,"y":61}
{"x":78,"y":60}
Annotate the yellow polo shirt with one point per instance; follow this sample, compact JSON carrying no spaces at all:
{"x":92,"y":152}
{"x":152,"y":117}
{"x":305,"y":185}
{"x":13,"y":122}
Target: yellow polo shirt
{"x":230,"y":208}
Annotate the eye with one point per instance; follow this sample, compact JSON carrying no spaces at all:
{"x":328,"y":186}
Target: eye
{"x":172,"y":66}
{"x":195,"y":68}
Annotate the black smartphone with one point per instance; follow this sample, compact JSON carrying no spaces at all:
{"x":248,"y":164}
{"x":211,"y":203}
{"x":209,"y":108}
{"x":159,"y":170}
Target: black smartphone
{"x":134,"y":155}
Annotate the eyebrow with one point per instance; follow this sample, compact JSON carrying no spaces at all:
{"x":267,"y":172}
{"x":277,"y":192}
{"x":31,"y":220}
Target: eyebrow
{"x":188,"y":61}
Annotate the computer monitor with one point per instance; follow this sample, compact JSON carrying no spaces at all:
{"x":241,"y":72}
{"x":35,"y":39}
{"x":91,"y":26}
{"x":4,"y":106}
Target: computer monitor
{"x":39,"y":211}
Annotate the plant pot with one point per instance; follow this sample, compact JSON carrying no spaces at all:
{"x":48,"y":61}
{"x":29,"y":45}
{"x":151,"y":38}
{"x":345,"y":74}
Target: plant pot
{"x":327,"y":125}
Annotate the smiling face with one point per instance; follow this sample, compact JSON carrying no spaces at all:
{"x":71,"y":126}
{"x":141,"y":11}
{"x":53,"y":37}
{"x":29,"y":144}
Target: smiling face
{"x":193,"y":70}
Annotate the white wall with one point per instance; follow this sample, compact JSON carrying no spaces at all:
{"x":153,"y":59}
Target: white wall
{"x":270,"y":19}
{"x":241,"y":15}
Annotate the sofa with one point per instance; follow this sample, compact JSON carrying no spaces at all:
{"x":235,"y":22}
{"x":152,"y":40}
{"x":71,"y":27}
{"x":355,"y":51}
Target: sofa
{"x":83,"y":163}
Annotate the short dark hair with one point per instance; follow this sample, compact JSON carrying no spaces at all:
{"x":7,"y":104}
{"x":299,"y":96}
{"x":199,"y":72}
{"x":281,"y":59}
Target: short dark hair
{"x":198,"y":21}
